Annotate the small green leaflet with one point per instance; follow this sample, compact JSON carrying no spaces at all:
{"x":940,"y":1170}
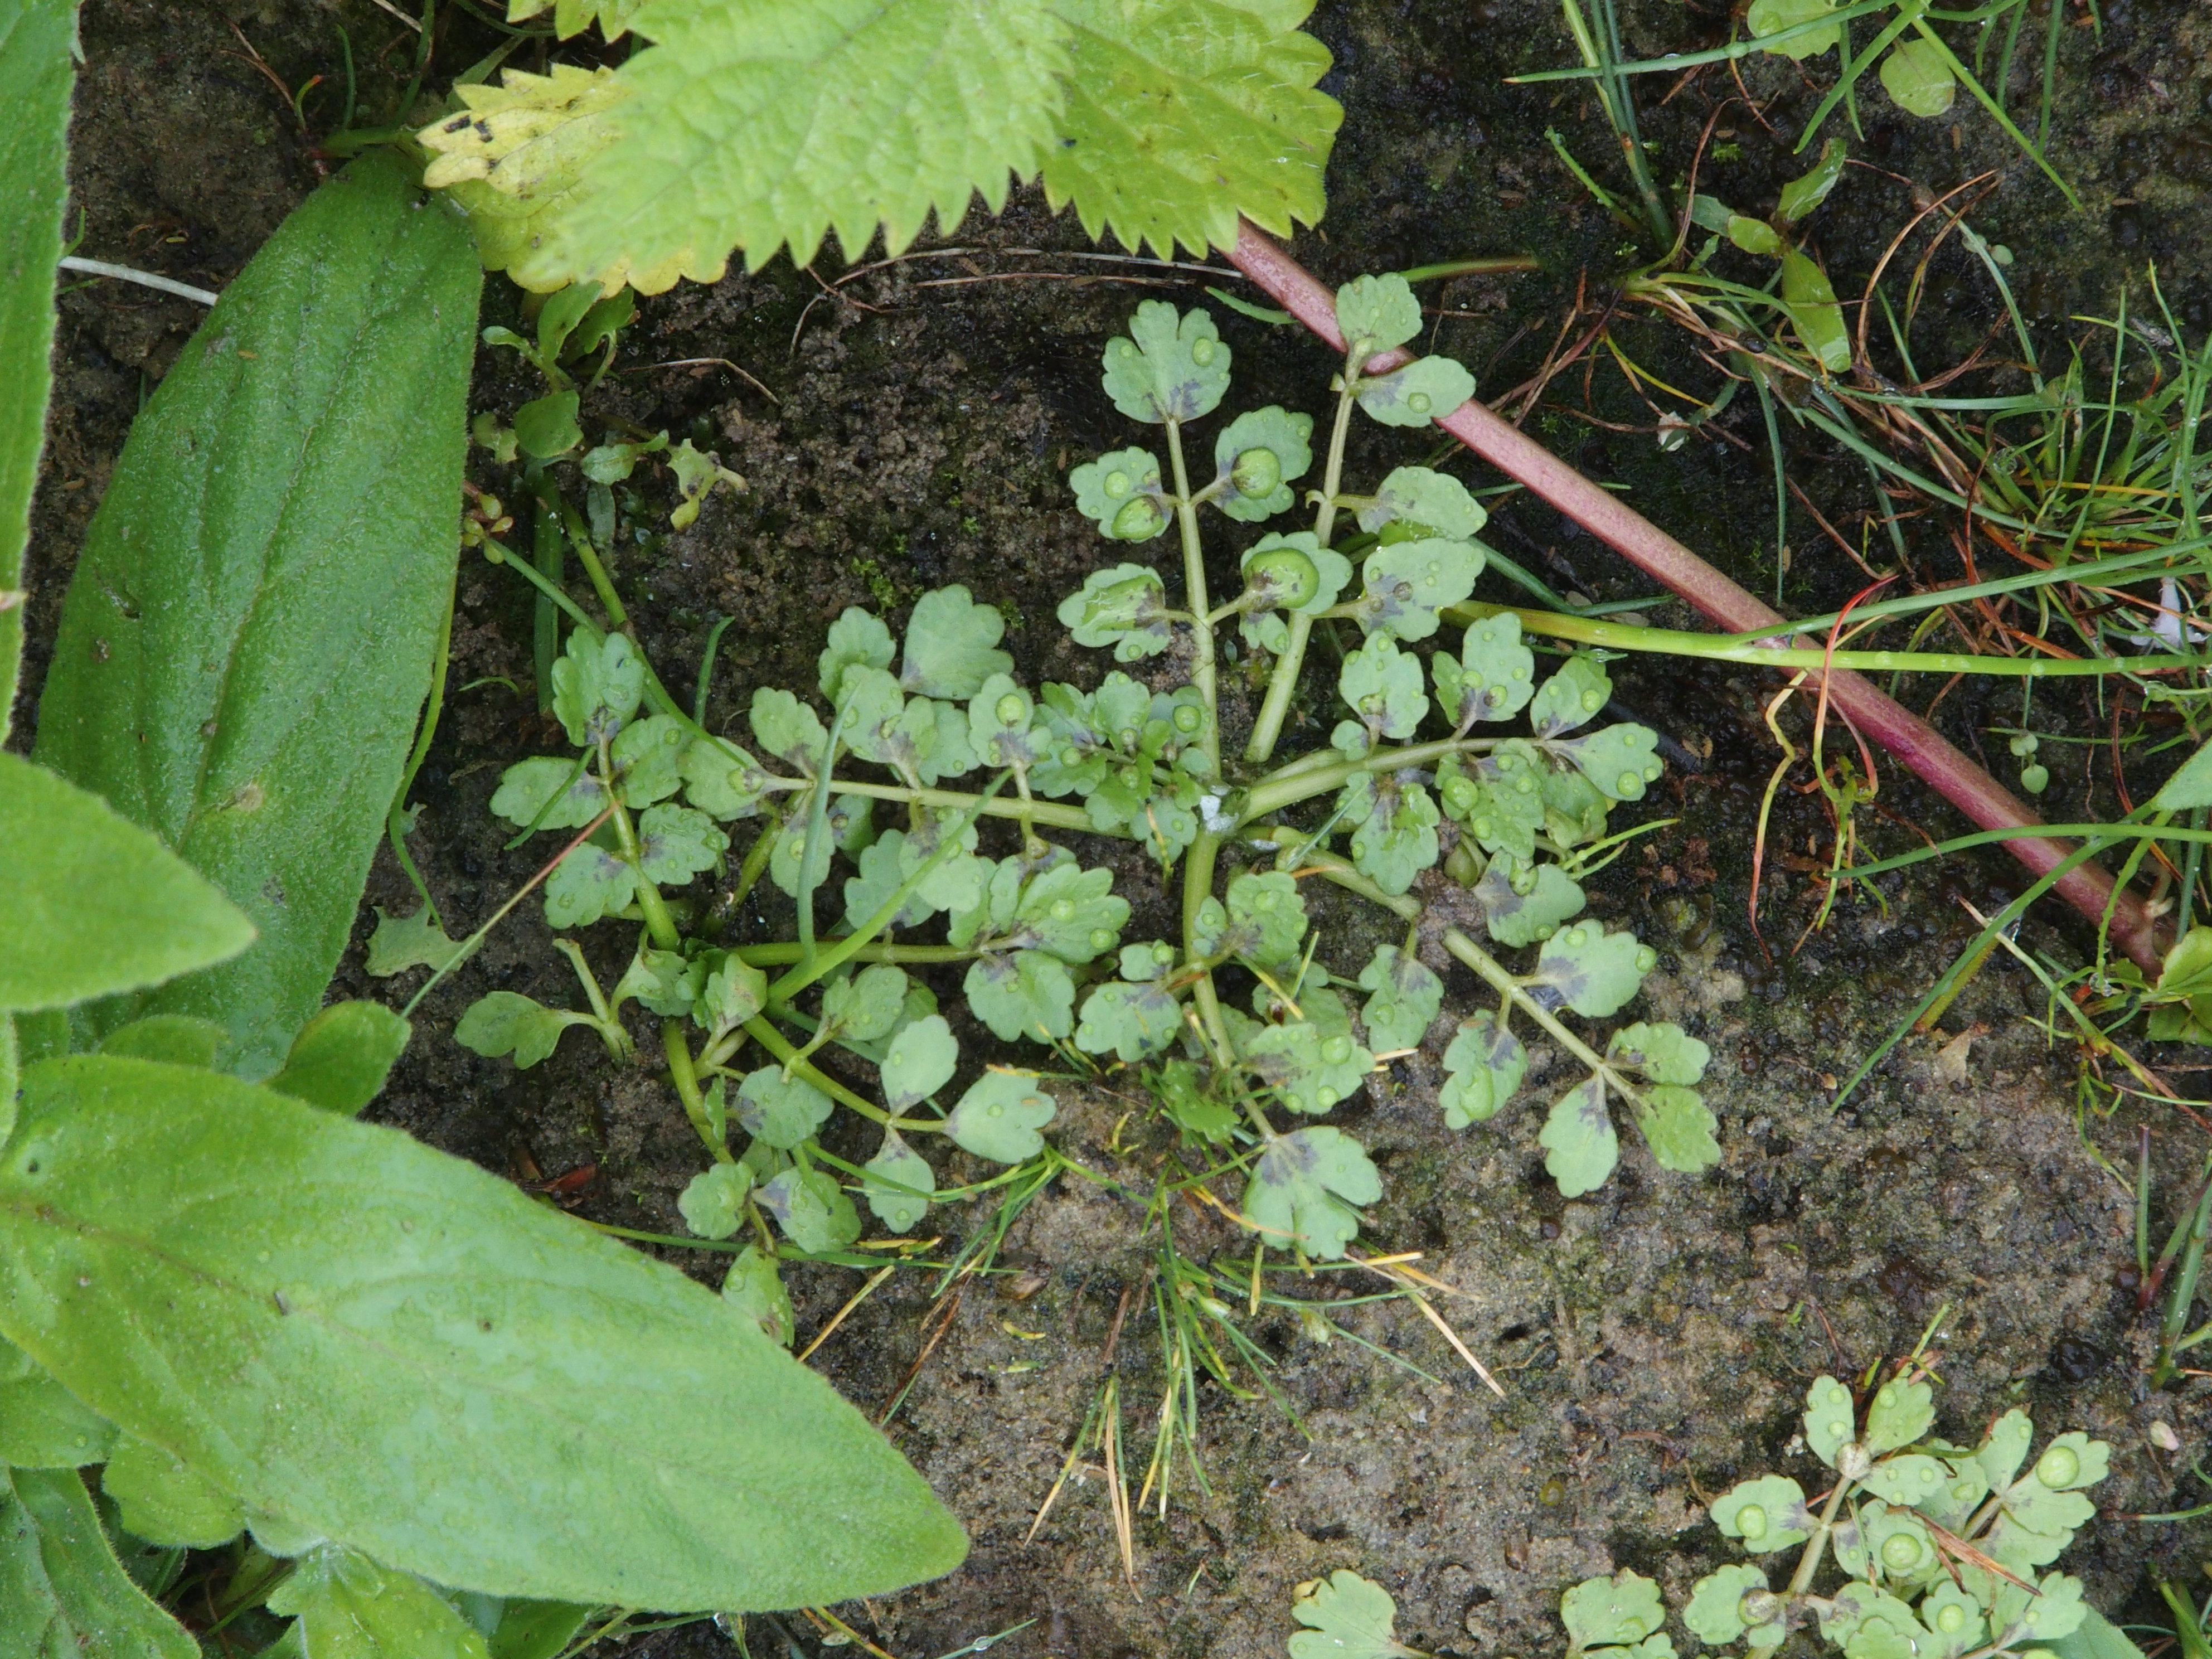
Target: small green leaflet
{"x":1026,"y":994}
{"x":163,"y":1501}
{"x":1182,"y":115}
{"x":1664,"y":1053}
{"x":1332,"y":569}
{"x":1802,"y":195}
{"x":1382,"y":686}
{"x":647,"y":757}
{"x":349,"y":1607}
{"x":1375,"y":314}
{"x":590,"y":881}
{"x":1347,"y":1617}
{"x":548,"y":793}
{"x":951,"y":646}
{"x":696,"y":474}
{"x":784,"y":1112}
{"x":546,"y":427}
{"x":1397,"y":837}
{"x":1766,"y":1514}
{"x":755,"y":1290}
{"x":598,"y":683}
{"x":899,"y":1185}
{"x":676,"y":844}
{"x":1829,"y":1418}
{"x":812,"y":1210}
{"x":1423,"y":390}
{"x":1524,"y":903}
{"x":1493,"y":677}
{"x":506,"y":1022}
{"x":1715,"y":1611}
{"x":1918,"y":79}
{"x":1578,"y":691}
{"x":999,"y":1116}
{"x":1311,"y":1069}
{"x":721,"y":779}
{"x":857,"y":639}
{"x":1121,"y":493}
{"x":1619,"y":760}
{"x":573,"y":17}
{"x":1406,"y":998}
{"x":341,"y":1056}
{"x":919,"y":1062}
{"x":1262,"y":453}
{"x":1591,"y":971}
{"x":399,"y":943}
{"x":1621,"y":1611}
{"x":1768,"y":17}
{"x":866,"y":1006}
{"x":1501,"y":800}
{"x":61,"y":1590}
{"x":665,"y":982}
{"x":1169,"y":367}
{"x":1263,"y":921}
{"x":1128,"y":1021}
{"x":1678,"y":1125}
{"x":1483,"y":1067}
{"x":1124,"y":606}
{"x":1305,"y":1189}
{"x":1408,"y":582}
{"x":787,"y":729}
{"x":1429,"y":503}
{"x":713,"y":1201}
{"x":1811,"y":303}
{"x":1580,"y":1146}
{"x":1899,"y":1413}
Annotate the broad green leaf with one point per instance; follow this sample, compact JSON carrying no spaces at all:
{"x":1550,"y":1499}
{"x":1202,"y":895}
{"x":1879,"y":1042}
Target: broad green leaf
{"x":246,"y":640}
{"x":165,"y":1501}
{"x":1753,"y":235}
{"x":1121,"y":493}
{"x":751,"y":126}
{"x":549,"y":793}
{"x":713,"y":1202}
{"x":96,"y":905}
{"x":951,"y":646}
{"x":1716,"y":1612}
{"x":2190,"y":787}
{"x":349,"y":1607}
{"x":1429,"y":503}
{"x":399,"y":943}
{"x":866,"y":1006}
{"x":755,"y":1291}
{"x":1181,"y":118}
{"x":1919,"y":78}
{"x":63,"y":1594}
{"x":1304,"y":1191}
{"x":341,"y":1056}
{"x":1618,"y":760}
{"x":1406,"y":998}
{"x":1579,"y":690}
{"x":506,"y":1022}
{"x":1347,"y":1617}
{"x":1382,"y":686}
{"x":535,"y":1630}
{"x":179,"y":1039}
{"x":1899,"y":1414}
{"x":1124,"y":606}
{"x":1766,"y":1514}
{"x":1025,"y":993}
{"x":1829,"y":1418}
{"x":1311,"y":1069}
{"x":1523,"y":904}
{"x":1423,"y":390}
{"x":1678,"y":1125}
{"x":1663,"y":1053}
{"x":37,"y":64}
{"x":1375,"y":314}
{"x":1128,"y":1021}
{"x":1262,"y":453}
{"x":42,"y":1424}
{"x":782,"y":1111}
{"x":375,"y":1343}
{"x":1396,"y":838}
{"x":1580,"y":1144}
{"x":1768,"y":17}
{"x":1811,"y":303}
{"x":1171,"y":366}
{"x":900,"y":1184}
{"x":1483,"y":1066}
{"x":1591,"y":971}
{"x":857,"y":639}
{"x":999,"y":1116}
{"x":1802,"y":194}
{"x":1623,"y":1609}
{"x":919,"y":1063}
{"x":546,"y":427}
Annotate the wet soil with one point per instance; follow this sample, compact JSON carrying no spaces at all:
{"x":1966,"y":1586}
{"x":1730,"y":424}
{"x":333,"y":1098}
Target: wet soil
{"x":911,"y":427}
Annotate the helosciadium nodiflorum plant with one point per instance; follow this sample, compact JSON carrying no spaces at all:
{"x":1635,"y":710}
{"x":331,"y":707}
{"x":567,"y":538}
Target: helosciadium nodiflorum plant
{"x":1941,"y":1549}
{"x":1244,"y":1027}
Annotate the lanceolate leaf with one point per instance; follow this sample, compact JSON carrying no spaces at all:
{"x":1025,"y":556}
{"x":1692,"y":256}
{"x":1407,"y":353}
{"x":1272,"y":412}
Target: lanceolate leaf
{"x":1182,"y":114}
{"x":247,"y":638}
{"x":35,"y":72}
{"x":61,"y":1590}
{"x":375,"y":1343}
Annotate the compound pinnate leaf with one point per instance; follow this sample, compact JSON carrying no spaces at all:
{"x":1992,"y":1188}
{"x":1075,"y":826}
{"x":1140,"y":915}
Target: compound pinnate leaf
{"x":748,"y":127}
{"x":375,"y":1293}
{"x":598,"y":683}
{"x":1618,"y":1611}
{"x":1590,"y":970}
{"x":548,"y":793}
{"x":1899,"y":1414}
{"x":341,"y":1056}
{"x":919,"y":1062}
{"x":1715,"y":1611}
{"x":1581,"y":1146}
{"x":1678,"y":1126}
{"x":1578,"y":691}
{"x":1421,"y":391}
{"x":1829,"y":1418}
{"x":1305,"y":1189}
{"x":999,"y":1116}
{"x":1382,"y":686}
{"x":1347,"y":1617}
{"x":1128,"y":1021}
{"x":1375,"y":314}
{"x":1406,"y":998}
{"x":1026,"y":994}
{"x":1124,"y":607}
{"x":713,"y":1201}
{"x":1310,"y":1069}
{"x":1121,"y":493}
{"x":164,"y":1501}
{"x":1514,"y":917}
{"x":1181,"y":118}
{"x":1170,"y":367}
{"x":96,"y":905}
{"x":506,"y":1022}
{"x":951,"y":645}
{"x":1406,"y":583}
{"x":898,"y":1184}
{"x":857,"y":639}
{"x":403,"y":942}
{"x":66,"y":1593}
{"x":1919,"y":78}
{"x":1663,"y":1053}
{"x":245,"y":647}
{"x":1619,"y":760}
{"x":1766,"y":1514}
{"x":1768,"y":17}
{"x":1483,"y":1066}
{"x":812,"y":1209}
{"x":1260,"y":454}
{"x":784,"y":1112}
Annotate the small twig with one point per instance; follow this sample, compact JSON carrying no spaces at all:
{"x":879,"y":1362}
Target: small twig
{"x":143,"y":278}
{"x":696,"y":362}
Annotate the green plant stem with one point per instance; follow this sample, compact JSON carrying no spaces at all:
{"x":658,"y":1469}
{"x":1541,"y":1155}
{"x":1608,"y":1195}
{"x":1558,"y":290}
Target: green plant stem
{"x":1289,"y":787}
{"x":1193,"y":583}
{"x":776,"y":955}
{"x":1283,"y":683}
{"x":818,"y":824}
{"x":394,"y":825}
{"x":551,"y":553}
{"x":1051,"y":814}
{"x":580,"y":538}
{"x":1197,"y":887}
{"x":776,"y":1044}
{"x":1809,"y":1562}
{"x":678,"y":1047}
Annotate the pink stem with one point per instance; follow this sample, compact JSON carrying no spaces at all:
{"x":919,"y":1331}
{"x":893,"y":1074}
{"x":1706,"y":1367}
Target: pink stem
{"x":1917,"y":745}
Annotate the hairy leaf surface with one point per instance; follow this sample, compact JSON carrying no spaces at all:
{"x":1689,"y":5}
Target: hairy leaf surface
{"x":61,"y":1590}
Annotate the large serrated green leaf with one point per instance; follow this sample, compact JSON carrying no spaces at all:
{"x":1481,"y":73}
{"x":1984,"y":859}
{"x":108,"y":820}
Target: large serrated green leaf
{"x":1183,"y":114}
{"x":35,"y":72}
{"x":248,"y":635}
{"x":752,"y":125}
{"x":61,"y":1590}
{"x":372,"y":1342}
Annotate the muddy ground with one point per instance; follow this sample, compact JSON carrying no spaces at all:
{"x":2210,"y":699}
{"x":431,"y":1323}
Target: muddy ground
{"x":911,"y":428}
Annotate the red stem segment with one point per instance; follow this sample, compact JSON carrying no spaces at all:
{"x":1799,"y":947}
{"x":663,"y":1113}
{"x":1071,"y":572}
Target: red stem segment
{"x":1916,"y":743}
